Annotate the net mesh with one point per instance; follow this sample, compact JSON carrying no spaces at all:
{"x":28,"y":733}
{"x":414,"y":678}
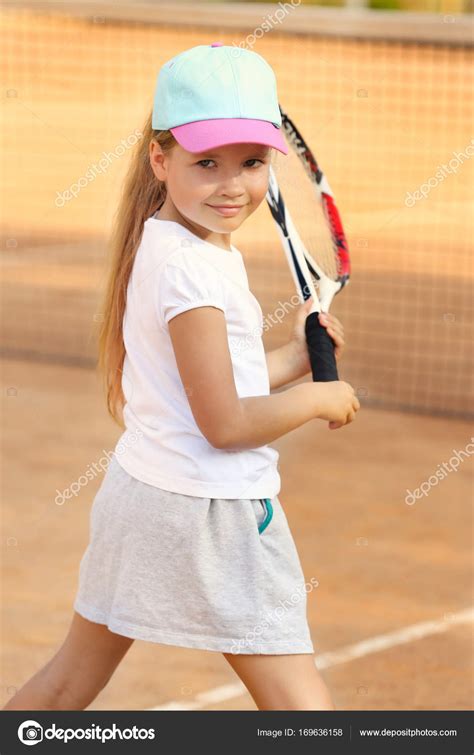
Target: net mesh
{"x":390,"y":121}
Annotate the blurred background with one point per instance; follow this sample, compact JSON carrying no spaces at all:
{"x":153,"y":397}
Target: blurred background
{"x":382,"y":91}
{"x":384,"y":98}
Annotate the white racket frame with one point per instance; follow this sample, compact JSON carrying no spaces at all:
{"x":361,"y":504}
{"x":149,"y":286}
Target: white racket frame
{"x":327,"y":288}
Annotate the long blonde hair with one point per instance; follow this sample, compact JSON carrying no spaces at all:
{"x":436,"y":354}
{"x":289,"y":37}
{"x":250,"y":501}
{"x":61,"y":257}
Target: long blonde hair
{"x":142,"y":194}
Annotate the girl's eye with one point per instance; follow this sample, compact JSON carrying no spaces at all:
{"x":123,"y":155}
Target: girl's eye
{"x":252,"y":160}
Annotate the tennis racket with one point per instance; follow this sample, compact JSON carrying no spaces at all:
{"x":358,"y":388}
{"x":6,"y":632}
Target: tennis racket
{"x":302,"y":205}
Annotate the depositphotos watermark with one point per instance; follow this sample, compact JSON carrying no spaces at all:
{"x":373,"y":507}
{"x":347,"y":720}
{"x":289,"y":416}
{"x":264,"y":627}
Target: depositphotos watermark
{"x":33,"y":732}
{"x":267,"y":24}
{"x":442,"y":172}
{"x":441,"y":473}
{"x":274,"y":617}
{"x":96,"y":468}
{"x":96,"y":168}
{"x":277,"y":316}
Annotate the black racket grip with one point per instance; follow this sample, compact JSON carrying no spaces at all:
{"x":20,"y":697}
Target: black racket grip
{"x":321,"y":350}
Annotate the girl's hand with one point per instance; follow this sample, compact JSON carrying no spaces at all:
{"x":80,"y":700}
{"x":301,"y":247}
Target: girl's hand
{"x":298,"y":336}
{"x":335,"y":330}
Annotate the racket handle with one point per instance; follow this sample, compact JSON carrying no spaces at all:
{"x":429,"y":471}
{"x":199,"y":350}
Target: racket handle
{"x":321,"y":350}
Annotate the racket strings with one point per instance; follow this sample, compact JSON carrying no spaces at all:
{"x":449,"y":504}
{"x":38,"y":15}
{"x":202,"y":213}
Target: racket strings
{"x":307,"y":211}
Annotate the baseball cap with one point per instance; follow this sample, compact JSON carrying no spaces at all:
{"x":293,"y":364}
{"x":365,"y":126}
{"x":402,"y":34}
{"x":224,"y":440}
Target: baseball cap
{"x":213,"y":95}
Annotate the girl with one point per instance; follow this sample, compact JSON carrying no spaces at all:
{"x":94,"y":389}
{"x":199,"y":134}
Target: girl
{"x":189,"y":543}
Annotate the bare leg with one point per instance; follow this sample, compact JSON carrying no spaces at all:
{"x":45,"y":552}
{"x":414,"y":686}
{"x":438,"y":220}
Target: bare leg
{"x":77,"y":673}
{"x":282,"y":682}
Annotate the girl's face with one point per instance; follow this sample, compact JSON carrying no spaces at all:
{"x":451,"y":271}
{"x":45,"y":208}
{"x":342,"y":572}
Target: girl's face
{"x":212,"y":192}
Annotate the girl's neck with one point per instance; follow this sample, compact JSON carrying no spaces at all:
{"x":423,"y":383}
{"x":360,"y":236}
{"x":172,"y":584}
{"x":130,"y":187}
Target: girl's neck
{"x":223,"y":240}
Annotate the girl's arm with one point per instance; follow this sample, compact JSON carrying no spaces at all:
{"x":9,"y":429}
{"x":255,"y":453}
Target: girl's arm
{"x":199,"y":338}
{"x":286,"y":364}
{"x":291,"y":361}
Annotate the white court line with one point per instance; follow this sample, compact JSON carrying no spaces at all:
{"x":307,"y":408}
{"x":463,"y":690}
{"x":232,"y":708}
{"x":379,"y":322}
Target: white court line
{"x":343,"y":655}
{"x":399,"y":637}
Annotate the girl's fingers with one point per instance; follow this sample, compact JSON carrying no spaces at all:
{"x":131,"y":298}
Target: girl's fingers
{"x":336,"y":332}
{"x":338,"y":341}
{"x":334,"y":329}
{"x":327,"y":319}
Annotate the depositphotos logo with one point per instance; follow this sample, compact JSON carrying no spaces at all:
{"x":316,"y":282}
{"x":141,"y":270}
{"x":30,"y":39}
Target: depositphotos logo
{"x":31,"y":732}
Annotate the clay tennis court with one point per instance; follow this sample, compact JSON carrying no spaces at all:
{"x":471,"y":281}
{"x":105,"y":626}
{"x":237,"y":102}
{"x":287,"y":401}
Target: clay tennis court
{"x":391,"y":617}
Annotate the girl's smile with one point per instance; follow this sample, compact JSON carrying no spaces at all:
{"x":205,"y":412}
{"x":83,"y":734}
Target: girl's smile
{"x":226,"y":210}
{"x":212,"y":194}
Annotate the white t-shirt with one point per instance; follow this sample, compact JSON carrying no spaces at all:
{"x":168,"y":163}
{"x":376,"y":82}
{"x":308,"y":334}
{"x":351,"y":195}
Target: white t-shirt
{"x":174,"y":271}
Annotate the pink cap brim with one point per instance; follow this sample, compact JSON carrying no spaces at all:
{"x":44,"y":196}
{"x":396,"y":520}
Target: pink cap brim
{"x":201,"y":136}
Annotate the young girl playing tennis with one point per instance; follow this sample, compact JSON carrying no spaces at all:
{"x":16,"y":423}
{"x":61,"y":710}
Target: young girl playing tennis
{"x":189,"y":544}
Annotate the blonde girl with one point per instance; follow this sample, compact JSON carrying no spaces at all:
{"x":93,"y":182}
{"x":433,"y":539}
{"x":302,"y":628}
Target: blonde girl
{"x":189,"y":544}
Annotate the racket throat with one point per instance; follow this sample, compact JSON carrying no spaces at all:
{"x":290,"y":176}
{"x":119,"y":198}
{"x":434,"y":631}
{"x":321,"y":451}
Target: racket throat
{"x":327,"y":289}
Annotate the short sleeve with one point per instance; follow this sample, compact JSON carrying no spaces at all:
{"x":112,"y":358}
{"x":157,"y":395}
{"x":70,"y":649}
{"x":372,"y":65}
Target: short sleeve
{"x":188,"y":281}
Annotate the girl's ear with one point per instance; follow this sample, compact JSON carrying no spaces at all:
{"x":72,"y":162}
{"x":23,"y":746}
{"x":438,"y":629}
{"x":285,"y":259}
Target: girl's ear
{"x":157,"y":160}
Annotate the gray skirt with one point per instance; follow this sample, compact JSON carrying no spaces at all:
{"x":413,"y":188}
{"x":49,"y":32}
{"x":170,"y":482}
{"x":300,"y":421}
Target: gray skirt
{"x":211,"y":573}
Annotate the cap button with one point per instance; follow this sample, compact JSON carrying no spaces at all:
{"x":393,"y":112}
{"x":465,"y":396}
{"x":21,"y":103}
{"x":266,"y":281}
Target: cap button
{"x":217,"y":44}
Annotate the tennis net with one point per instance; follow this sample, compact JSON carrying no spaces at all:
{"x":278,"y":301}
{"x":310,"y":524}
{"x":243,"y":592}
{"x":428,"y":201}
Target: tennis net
{"x":385,"y":102}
